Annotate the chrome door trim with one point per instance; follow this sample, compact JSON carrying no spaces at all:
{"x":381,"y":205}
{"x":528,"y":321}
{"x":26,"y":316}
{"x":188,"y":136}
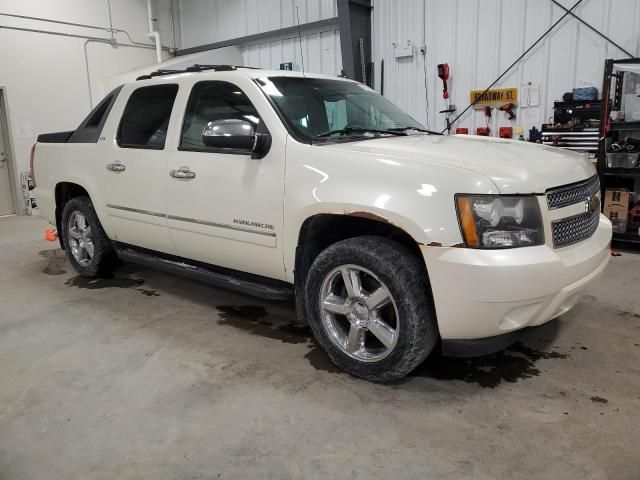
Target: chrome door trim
{"x":136,"y":210}
{"x":221,"y":225}
{"x":192,"y":220}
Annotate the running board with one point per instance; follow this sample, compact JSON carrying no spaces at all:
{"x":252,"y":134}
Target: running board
{"x":267,"y":289}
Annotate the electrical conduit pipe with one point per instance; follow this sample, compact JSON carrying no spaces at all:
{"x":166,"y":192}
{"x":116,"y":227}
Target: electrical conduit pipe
{"x":154,"y":33}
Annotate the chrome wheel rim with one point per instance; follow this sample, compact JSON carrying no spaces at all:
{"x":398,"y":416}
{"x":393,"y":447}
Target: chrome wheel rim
{"x":359,"y":313}
{"x":80,"y":238}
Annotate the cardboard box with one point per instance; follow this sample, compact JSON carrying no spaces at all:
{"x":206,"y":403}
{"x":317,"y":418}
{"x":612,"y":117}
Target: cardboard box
{"x":616,"y":204}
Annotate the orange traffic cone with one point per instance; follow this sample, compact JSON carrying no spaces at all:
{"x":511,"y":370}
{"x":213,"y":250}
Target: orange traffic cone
{"x":51,"y":234}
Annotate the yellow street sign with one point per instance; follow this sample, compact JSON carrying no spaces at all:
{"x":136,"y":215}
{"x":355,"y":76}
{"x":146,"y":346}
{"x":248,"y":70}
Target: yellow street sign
{"x":494,"y":97}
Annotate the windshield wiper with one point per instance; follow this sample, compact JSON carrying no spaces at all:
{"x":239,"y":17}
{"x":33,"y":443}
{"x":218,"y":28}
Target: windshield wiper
{"x":348,"y":130}
{"x":404,"y":129}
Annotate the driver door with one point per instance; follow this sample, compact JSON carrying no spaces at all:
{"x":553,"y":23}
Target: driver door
{"x":228,"y":210}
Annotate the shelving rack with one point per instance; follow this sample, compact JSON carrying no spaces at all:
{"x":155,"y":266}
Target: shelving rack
{"x":611,"y":131}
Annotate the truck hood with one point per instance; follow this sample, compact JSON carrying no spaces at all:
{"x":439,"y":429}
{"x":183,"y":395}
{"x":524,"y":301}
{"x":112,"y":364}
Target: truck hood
{"x":513,"y":166}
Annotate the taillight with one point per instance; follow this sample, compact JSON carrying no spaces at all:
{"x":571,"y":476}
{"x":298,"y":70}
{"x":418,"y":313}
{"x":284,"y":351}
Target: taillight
{"x":33,"y":177}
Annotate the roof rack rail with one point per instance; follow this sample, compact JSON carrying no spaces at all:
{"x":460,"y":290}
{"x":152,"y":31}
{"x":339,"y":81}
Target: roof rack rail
{"x":192,"y":68}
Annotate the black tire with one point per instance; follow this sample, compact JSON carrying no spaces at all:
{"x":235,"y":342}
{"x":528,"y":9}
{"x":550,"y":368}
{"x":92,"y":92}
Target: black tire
{"x":104,"y":259}
{"x":404,"y":276}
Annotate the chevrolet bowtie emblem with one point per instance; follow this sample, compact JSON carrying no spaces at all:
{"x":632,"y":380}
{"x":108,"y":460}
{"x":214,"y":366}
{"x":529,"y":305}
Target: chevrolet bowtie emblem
{"x":592,"y":205}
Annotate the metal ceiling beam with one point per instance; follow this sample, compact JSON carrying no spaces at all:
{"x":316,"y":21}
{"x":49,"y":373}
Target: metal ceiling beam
{"x":293,"y":30}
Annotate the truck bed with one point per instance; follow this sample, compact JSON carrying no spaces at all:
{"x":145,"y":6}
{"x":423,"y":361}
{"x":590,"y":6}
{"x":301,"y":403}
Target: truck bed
{"x":56,"y":137}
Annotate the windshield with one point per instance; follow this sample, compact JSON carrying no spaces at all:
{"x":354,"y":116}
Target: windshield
{"x":320,"y":110}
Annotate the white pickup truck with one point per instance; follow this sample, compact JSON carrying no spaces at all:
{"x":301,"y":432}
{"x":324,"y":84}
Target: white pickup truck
{"x":390,"y":237}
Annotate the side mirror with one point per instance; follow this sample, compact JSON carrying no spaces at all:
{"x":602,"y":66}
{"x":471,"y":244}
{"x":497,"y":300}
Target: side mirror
{"x":232,"y":134}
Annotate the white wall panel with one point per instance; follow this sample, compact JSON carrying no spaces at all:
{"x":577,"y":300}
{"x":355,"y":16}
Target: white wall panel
{"x":321,"y":51}
{"x":209,"y":21}
{"x":47,"y":77}
{"x":479,"y":39}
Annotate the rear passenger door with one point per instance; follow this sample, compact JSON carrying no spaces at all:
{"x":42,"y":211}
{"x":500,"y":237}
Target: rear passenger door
{"x":134,"y":170}
{"x":230,"y":212}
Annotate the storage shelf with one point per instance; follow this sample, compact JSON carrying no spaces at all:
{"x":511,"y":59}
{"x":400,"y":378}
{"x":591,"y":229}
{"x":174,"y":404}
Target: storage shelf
{"x":624,"y":125}
{"x":612,"y":177}
{"x":626,"y":238}
{"x":622,"y":172}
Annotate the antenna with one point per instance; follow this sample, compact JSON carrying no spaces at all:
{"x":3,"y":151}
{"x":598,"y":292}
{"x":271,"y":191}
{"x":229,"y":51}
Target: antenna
{"x":306,"y":100}
{"x":300,"y":39}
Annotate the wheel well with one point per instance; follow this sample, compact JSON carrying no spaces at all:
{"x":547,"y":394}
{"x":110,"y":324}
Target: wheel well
{"x":320,"y":231}
{"x":65,"y":191}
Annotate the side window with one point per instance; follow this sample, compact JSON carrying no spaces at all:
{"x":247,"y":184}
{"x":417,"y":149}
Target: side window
{"x":210,"y":101}
{"x":146,"y":117}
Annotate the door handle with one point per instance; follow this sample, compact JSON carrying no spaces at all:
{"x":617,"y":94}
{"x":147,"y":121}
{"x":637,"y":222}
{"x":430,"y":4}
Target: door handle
{"x":183,"y":172}
{"x":116,"y":167}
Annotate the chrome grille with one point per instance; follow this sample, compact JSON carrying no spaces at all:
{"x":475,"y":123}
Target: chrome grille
{"x":575,"y":193}
{"x":570,"y":230}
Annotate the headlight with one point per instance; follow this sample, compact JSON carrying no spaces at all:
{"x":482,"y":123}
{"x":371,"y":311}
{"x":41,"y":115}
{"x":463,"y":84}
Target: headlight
{"x":495,"y":221}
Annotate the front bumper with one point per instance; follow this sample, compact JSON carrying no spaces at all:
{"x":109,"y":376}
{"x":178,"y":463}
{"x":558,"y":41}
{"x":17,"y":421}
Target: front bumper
{"x":484,"y":293}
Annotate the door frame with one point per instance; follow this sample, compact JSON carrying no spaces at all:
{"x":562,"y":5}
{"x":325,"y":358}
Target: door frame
{"x":5,"y":131}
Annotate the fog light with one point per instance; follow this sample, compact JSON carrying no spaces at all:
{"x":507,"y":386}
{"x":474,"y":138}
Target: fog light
{"x":508,"y":238}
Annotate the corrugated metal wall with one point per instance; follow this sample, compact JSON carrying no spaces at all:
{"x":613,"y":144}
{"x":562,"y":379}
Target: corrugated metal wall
{"x":208,"y":21}
{"x":479,"y":39}
{"x":321,"y":52}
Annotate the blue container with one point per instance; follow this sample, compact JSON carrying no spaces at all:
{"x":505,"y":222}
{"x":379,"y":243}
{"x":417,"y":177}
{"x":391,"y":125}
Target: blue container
{"x":585,"y":93}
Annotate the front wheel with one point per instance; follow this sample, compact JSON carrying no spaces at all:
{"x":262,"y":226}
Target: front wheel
{"x":88,"y":248}
{"x":370,"y":308}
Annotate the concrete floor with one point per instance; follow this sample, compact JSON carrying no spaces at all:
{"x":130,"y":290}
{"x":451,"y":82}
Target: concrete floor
{"x":151,"y":376}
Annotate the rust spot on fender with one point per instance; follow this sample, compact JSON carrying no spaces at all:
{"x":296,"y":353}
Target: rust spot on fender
{"x":438,"y":244}
{"x":369,"y":216}
{"x":378,"y":218}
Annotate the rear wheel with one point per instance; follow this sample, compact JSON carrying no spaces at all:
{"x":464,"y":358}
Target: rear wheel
{"x":88,"y":248}
{"x":370,"y":308}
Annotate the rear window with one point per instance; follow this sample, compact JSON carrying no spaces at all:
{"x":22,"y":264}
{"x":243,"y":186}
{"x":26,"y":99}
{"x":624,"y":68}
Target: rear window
{"x":145,"y":120}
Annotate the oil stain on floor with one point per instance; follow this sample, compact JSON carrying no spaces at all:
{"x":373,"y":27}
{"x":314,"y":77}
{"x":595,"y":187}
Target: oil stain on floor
{"x":111,"y":281}
{"x":515,"y":363}
{"x":256,"y":320}
{"x":252,"y":318}
{"x":57,"y":263}
{"x":633,"y":315}
{"x":511,"y":365}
